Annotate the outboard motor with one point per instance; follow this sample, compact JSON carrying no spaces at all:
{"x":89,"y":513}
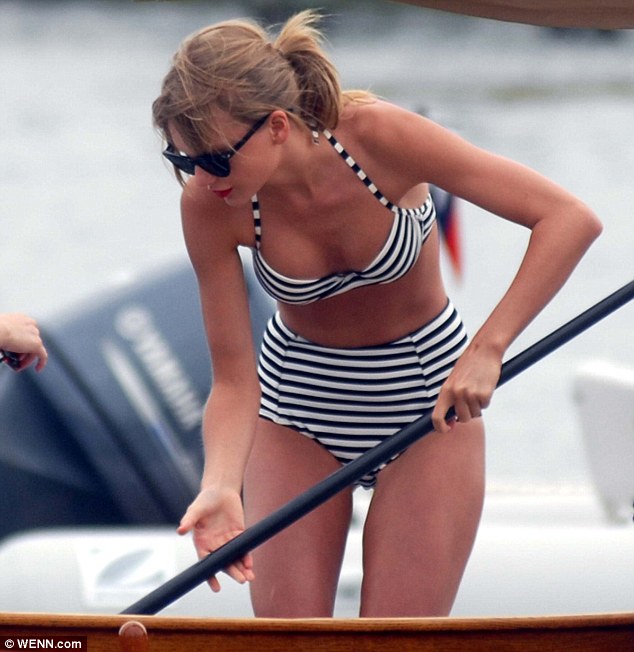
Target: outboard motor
{"x":110,"y":431}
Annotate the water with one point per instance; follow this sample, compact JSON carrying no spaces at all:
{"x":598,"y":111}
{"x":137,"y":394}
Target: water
{"x":87,"y":202}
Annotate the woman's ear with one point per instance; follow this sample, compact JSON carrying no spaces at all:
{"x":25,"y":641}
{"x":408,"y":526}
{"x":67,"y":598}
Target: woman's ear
{"x":279,"y":126}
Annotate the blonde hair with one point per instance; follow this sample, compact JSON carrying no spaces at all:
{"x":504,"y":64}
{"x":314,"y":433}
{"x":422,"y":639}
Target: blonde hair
{"x":236,"y":67}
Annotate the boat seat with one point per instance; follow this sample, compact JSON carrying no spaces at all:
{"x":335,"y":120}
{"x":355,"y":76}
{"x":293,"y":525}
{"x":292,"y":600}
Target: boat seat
{"x":604,"y":394}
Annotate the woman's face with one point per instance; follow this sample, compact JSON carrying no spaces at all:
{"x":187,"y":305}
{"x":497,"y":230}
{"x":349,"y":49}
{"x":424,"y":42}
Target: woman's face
{"x":233,"y":171}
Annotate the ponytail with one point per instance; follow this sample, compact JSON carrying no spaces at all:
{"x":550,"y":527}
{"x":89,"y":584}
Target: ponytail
{"x":320,"y":98}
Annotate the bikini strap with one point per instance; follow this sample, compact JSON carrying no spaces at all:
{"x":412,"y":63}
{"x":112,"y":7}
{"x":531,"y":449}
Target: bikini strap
{"x":358,"y":171}
{"x":257,"y":221}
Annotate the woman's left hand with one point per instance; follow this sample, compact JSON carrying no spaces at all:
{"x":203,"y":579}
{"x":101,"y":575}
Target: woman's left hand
{"x":468,"y":389}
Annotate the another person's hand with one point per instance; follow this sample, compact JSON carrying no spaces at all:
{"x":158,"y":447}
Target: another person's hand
{"x":20,"y":335}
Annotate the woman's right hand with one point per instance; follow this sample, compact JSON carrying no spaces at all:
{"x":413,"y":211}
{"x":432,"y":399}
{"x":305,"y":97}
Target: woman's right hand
{"x":215,"y":517}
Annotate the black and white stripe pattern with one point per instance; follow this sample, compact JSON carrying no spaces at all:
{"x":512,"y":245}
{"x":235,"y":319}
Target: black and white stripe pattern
{"x":410,"y":229}
{"x":350,"y":400}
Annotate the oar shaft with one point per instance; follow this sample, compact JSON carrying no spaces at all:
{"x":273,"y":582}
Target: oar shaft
{"x":565,"y":333}
{"x":354,"y":470}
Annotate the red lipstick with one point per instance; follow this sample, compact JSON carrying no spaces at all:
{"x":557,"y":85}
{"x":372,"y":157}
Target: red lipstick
{"x":223,"y":193}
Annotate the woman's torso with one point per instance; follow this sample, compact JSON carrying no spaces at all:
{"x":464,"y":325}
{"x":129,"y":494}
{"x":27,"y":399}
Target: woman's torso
{"x":341,"y":226}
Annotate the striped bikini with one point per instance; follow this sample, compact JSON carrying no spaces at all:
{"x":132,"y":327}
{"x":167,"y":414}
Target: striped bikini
{"x":351,"y":399}
{"x":410,"y":229}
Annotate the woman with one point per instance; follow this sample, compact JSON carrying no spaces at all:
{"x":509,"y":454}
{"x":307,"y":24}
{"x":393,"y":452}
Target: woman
{"x":365,"y":339}
{"x":20,"y":342}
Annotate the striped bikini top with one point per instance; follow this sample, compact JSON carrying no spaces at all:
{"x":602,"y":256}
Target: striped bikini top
{"x":410,"y":229}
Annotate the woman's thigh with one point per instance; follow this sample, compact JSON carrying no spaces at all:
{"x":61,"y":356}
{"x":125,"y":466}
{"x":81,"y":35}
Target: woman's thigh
{"x":422,"y":523}
{"x":296,"y":572}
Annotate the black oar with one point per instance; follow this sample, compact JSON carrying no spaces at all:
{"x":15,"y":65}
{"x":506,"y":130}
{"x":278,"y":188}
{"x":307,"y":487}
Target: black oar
{"x":353,"y":471}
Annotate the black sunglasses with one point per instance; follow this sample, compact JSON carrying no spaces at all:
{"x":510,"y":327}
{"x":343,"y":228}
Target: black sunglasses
{"x":216,"y":163}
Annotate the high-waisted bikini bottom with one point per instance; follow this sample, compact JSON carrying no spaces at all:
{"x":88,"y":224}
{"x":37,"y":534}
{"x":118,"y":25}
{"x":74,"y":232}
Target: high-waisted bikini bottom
{"x":351,"y":399}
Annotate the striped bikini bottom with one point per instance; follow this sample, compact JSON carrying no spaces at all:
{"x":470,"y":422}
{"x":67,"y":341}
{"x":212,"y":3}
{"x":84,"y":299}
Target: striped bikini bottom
{"x":349,"y":400}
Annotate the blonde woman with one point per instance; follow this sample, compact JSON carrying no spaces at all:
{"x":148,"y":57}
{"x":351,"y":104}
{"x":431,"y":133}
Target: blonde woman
{"x":329,"y":190}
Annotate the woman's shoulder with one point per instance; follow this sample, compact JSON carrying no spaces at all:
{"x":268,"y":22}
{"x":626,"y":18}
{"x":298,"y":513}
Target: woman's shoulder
{"x":196,"y":199}
{"x":382,"y":123}
{"x":383,"y":130}
{"x":207,"y":218}
{"x":369,"y":111}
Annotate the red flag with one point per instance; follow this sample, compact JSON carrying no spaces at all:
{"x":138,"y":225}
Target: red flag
{"x":449,"y":224}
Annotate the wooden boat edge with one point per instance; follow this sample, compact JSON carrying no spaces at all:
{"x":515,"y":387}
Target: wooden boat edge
{"x":51,"y":621}
{"x":106,"y":633}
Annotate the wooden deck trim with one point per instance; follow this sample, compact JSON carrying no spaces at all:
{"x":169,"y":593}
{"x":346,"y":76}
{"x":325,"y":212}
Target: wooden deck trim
{"x":582,"y":633}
